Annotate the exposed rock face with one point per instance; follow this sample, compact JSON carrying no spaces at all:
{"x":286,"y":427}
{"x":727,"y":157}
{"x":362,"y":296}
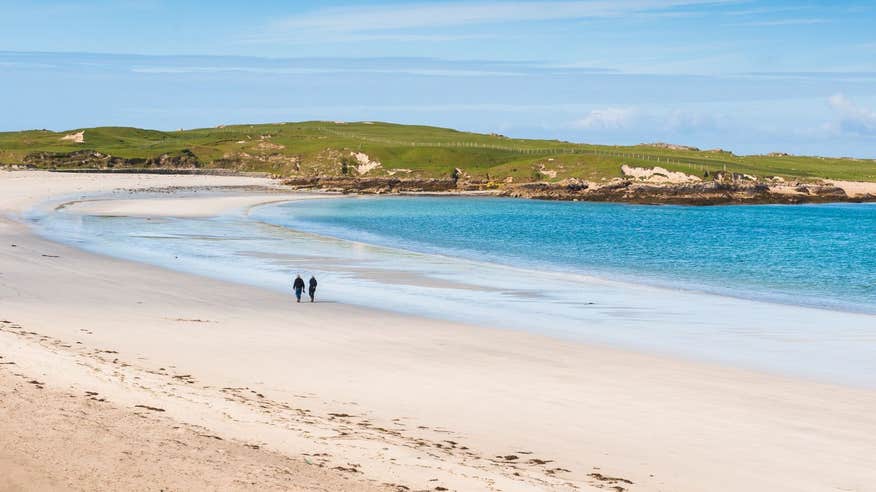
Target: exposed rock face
{"x":462,"y":179}
{"x":97,"y":160}
{"x":669,"y":146}
{"x":372,"y":185}
{"x":16,"y":167}
{"x":701,"y":193}
{"x":545,"y":172}
{"x":728,"y":177}
{"x":393,"y":172}
{"x":365,"y":163}
{"x":616,"y":190}
{"x":78,"y":137}
{"x":657,"y":175}
{"x":639,"y":185}
{"x":267,"y":146}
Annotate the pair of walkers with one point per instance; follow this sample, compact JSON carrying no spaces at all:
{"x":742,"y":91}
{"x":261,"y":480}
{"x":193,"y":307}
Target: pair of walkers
{"x":298,"y":287}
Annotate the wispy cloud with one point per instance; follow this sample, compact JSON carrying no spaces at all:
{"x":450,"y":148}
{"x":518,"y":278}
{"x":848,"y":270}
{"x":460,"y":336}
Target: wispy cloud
{"x":655,"y":121}
{"x":379,"y":18}
{"x":685,"y":121}
{"x":763,"y":10}
{"x":426,"y":72}
{"x":784,"y":22}
{"x":608,"y":119}
{"x":834,"y":77}
{"x":304,"y":37}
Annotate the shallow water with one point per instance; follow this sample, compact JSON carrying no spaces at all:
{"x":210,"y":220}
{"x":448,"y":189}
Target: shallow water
{"x":817,"y":255}
{"x":679,"y":280}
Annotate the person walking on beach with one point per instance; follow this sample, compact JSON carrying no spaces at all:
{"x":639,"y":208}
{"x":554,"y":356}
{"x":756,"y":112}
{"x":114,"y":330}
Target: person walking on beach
{"x":311,"y":287}
{"x":298,"y":286}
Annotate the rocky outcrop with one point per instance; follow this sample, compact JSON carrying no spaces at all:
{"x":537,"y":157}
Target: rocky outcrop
{"x":365,"y":164}
{"x":725,"y":188}
{"x":78,"y":137}
{"x":657,"y":175}
{"x":16,"y":167}
{"x":698,"y":193}
{"x":376,"y":185}
{"x":167,"y":170}
{"x":92,"y":159}
{"x":669,"y":146}
{"x":638,"y":185}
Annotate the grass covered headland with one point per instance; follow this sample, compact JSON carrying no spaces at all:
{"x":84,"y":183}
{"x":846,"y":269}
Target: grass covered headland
{"x":371,"y":157}
{"x":384,"y":150}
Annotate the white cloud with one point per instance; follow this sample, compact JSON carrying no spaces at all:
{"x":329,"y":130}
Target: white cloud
{"x":851,"y":119}
{"x":425,"y":72}
{"x":608,"y":119}
{"x":305,"y":37}
{"x":447,"y":14}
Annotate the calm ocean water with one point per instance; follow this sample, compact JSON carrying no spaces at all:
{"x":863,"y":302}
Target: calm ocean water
{"x":789,"y":289}
{"x":818,"y":255}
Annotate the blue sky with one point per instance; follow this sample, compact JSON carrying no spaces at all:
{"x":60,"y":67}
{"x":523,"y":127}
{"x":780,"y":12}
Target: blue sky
{"x":748,"y":76}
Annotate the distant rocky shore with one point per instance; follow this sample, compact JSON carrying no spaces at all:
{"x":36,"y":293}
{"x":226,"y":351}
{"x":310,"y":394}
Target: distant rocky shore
{"x":721,"y":188}
{"x":654,"y":185}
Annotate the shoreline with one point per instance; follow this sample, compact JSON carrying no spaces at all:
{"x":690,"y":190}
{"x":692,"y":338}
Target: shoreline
{"x":730,"y":189}
{"x":724,"y":189}
{"x":678,"y":336}
{"x":565,"y":402}
{"x":601,"y":277}
{"x":108,"y":206}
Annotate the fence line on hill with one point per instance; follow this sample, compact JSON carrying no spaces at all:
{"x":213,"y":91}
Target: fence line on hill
{"x":692,"y":163}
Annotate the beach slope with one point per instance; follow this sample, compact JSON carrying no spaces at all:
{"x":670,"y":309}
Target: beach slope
{"x":104,"y":357}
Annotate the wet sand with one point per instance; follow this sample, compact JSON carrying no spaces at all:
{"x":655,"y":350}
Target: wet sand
{"x":374,"y":397}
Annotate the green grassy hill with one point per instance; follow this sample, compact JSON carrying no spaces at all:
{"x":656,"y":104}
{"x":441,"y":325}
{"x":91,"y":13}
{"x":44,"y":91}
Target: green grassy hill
{"x":327,"y":148}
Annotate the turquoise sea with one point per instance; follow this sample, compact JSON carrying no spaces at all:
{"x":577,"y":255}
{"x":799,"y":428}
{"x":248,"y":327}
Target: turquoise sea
{"x":788,"y":289}
{"x":818,"y":255}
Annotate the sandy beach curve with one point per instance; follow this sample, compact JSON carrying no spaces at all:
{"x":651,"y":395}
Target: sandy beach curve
{"x":196,"y":383}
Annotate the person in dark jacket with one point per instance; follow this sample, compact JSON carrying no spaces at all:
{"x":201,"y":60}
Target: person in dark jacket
{"x":311,"y":287}
{"x":298,"y":286}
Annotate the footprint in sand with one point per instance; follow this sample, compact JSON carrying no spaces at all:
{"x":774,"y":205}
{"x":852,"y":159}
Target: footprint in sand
{"x":147,"y":407}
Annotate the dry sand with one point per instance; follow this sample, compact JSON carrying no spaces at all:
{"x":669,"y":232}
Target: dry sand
{"x":855,"y":188}
{"x":361,"y":398}
{"x":71,"y":440}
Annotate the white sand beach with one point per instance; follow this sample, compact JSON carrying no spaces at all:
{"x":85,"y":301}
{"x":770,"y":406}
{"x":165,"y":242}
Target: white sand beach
{"x":117,"y":374}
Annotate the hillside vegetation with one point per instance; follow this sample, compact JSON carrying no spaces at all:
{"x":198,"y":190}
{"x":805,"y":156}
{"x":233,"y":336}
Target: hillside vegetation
{"x":384,"y":149}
